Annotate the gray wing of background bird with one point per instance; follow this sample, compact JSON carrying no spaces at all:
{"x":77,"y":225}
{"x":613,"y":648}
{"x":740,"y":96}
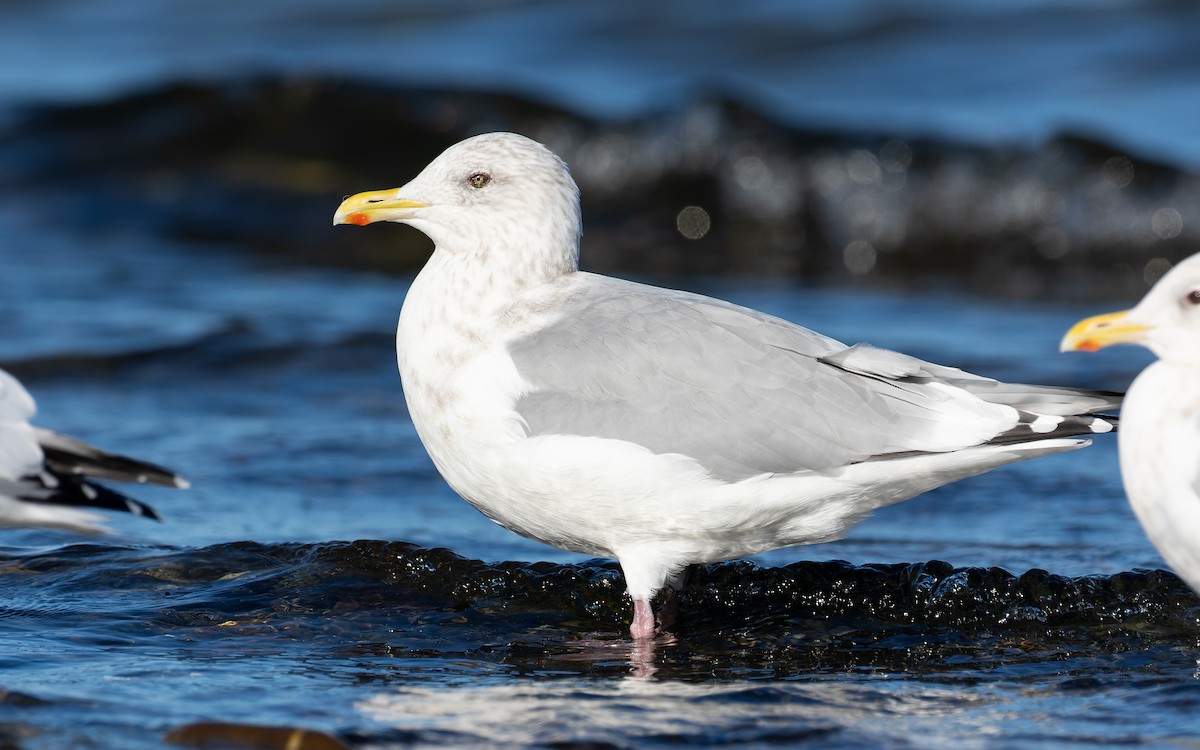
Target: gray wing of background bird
{"x":41,"y":466}
{"x":744,"y":393}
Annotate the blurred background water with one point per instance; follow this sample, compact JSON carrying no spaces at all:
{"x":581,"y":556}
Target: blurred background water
{"x":957,"y":180}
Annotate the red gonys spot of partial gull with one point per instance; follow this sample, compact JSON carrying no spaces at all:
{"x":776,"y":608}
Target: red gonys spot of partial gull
{"x":359,"y":218}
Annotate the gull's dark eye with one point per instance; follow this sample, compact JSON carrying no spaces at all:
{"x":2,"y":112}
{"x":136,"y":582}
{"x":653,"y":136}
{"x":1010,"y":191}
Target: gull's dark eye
{"x":1193,"y":297}
{"x":479,"y":179}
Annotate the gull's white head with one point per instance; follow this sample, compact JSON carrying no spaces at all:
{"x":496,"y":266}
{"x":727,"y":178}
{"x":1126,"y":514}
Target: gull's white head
{"x":1166,"y":321}
{"x":497,"y":194}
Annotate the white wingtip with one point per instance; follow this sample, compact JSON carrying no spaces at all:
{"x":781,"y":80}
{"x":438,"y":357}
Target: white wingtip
{"x":1045,"y":423}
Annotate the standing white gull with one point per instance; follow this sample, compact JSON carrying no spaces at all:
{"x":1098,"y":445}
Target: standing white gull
{"x":655,"y":426}
{"x":43,"y":474}
{"x":1160,"y":422}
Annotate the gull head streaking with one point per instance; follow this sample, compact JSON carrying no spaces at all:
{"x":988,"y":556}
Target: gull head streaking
{"x":655,"y":426}
{"x":46,"y":477}
{"x":1160,"y":422}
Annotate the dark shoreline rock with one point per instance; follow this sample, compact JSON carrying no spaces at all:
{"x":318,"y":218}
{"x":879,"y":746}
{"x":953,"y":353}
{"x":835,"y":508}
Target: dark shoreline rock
{"x":260,"y":165}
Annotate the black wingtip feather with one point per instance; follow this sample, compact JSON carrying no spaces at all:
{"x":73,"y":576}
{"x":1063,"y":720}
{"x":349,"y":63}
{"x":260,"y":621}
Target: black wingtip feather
{"x":73,"y":490}
{"x":1073,"y":426}
{"x":67,"y":455}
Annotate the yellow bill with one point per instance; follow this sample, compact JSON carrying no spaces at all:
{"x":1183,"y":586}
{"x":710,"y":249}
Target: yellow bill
{"x":1097,"y":332}
{"x":375,"y":205}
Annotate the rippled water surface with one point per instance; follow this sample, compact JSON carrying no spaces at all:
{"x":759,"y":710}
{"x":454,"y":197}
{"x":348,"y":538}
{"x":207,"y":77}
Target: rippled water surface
{"x":393,"y":645}
{"x":989,"y":69}
{"x":273,"y":388}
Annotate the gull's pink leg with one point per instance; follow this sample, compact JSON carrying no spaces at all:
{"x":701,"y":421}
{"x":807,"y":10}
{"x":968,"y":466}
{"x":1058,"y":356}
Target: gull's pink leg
{"x":646,"y":623}
{"x":642,"y":627}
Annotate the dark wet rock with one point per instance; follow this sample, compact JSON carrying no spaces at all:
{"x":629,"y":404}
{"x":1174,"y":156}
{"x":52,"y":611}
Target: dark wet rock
{"x":225,"y":736}
{"x":935,"y":593}
{"x":13,"y":735}
{"x":386,"y":604}
{"x":21,"y":700}
{"x":393,"y":599}
{"x":714,"y":188}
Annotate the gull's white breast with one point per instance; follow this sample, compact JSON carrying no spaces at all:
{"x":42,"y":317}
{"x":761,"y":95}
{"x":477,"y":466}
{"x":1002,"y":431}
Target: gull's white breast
{"x":1160,"y":462}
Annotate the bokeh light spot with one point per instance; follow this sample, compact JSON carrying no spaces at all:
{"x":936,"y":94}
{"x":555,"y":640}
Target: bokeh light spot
{"x":895,"y":156}
{"x":693,"y":222}
{"x":1118,"y":170}
{"x":859,"y":257}
{"x":1166,"y":222}
{"x":1154,"y":270}
{"x":863,"y":168}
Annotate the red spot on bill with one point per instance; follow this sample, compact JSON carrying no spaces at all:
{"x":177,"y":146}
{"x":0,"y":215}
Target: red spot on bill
{"x":359,"y":218}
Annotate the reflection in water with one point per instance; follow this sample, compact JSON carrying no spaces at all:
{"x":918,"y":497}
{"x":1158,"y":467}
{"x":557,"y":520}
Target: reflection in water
{"x":634,"y":710}
{"x":608,"y":649}
{"x":851,"y":709}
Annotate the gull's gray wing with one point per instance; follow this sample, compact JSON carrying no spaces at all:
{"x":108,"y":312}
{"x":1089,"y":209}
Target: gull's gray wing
{"x":741,"y":392}
{"x":1041,"y":399}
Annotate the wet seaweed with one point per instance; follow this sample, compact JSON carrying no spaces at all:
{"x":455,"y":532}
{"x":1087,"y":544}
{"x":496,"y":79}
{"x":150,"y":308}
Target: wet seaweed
{"x":398,"y":600}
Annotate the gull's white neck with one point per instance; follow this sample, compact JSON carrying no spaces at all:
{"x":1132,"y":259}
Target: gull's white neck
{"x":459,"y":298}
{"x":1160,"y":462}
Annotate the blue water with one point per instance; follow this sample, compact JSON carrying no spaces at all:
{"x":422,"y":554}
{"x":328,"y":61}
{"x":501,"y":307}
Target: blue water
{"x":273,"y":389}
{"x":271,"y":385}
{"x":981,"y":70}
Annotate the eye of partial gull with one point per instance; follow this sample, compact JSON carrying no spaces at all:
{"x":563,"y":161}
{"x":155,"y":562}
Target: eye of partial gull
{"x":1193,"y":297}
{"x":479,"y":179}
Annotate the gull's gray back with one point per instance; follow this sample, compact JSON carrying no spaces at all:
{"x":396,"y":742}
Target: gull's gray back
{"x":739,"y":391}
